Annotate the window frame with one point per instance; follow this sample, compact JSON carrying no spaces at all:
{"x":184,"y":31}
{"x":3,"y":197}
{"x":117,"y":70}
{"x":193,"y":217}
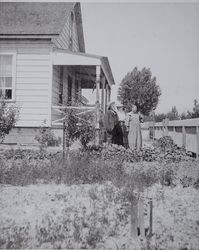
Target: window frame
{"x":14,"y":66}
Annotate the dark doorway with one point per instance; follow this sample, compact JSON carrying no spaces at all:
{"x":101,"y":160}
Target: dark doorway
{"x":70,"y":82}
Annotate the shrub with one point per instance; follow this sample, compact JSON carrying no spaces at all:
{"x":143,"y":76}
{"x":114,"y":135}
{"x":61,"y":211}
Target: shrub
{"x":113,"y":152}
{"x":46,"y":138}
{"x":9,"y":114}
{"x":165,"y":142}
{"x":79,"y":126}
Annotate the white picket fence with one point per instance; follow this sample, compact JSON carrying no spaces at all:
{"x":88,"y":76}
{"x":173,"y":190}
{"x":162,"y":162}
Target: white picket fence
{"x":183,"y":132}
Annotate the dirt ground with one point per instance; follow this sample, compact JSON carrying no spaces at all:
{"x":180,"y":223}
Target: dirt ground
{"x":175,"y":215}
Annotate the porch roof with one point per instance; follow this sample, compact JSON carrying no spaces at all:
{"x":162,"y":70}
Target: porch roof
{"x":67,"y":57}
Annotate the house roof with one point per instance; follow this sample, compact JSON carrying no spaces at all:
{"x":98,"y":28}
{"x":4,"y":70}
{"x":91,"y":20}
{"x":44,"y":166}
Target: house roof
{"x":33,"y":18}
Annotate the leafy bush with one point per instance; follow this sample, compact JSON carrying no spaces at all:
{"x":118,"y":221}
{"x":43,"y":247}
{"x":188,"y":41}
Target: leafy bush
{"x":113,"y":152}
{"x":29,"y":154}
{"x":9,"y":114}
{"x":46,"y":138}
{"x":79,"y":126}
{"x":86,"y":134}
{"x":165,"y":142}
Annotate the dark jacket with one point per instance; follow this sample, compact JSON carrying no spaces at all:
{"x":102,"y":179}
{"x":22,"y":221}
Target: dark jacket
{"x":111,"y":120}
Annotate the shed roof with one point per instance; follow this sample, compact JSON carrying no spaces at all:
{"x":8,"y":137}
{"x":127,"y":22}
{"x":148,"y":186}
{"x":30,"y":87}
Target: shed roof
{"x":33,"y":18}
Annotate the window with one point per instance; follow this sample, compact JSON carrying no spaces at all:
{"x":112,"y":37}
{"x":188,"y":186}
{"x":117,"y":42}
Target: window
{"x":71,"y":24}
{"x":7,"y":76}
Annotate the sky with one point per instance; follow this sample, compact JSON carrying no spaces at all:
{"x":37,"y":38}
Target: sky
{"x":161,"y":36}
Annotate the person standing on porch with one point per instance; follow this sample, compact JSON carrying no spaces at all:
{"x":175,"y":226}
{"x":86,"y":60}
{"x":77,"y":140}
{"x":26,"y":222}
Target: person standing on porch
{"x":134,"y":129}
{"x":111,"y":120}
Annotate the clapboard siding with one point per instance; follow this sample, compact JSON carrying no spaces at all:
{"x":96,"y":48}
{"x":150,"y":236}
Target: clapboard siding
{"x":32,"y":99}
{"x":32,"y":86}
{"x":63,"y":41}
{"x":75,"y":39}
{"x":27,"y":68}
{"x":29,"y":123}
{"x":31,"y":92}
{"x":32,"y":80}
{"x":23,"y":86}
{"x":41,"y":111}
{"x":32,"y":63}
{"x":37,"y":105}
{"x":33,"y":74}
{"x":32,"y":57}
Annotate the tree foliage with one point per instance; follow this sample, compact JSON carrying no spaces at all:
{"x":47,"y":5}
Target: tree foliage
{"x":8,"y":117}
{"x":195,"y":112}
{"x":139,"y":88}
{"x":173,"y":114}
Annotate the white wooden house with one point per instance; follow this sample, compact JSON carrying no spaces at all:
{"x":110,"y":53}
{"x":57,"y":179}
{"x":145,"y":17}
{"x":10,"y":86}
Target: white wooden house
{"x":43,"y":64}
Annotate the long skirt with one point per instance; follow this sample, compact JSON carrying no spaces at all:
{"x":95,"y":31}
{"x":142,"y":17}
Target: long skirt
{"x":135,"y":137}
{"x":117,"y":135}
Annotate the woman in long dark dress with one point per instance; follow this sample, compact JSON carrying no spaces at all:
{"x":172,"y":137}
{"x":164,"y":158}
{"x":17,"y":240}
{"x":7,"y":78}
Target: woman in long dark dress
{"x":117,"y":137}
{"x":122,"y":117}
{"x":119,"y":130}
{"x":111,"y":122}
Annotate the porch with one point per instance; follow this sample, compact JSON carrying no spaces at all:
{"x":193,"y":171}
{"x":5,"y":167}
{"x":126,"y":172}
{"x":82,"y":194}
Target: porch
{"x":85,"y":84}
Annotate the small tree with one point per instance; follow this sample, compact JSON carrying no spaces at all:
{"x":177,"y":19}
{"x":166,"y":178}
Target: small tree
{"x":173,"y":114}
{"x":191,"y":114}
{"x":195,"y":113}
{"x":80,"y":127}
{"x":139,"y":88}
{"x":9,"y":114}
{"x":160,"y":117}
{"x":86,"y":129}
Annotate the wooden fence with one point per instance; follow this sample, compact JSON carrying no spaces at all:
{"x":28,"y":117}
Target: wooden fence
{"x":183,"y":132}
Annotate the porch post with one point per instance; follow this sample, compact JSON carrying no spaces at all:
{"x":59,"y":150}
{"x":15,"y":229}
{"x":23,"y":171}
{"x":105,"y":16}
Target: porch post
{"x":79,"y":88}
{"x":102,"y":97}
{"x":97,"y":127}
